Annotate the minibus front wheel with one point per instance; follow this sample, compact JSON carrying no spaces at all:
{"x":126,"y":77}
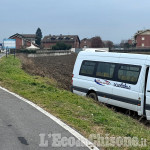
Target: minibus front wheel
{"x":93,"y":95}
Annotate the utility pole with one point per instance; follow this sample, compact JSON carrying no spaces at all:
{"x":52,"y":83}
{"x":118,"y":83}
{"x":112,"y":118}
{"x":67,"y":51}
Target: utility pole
{"x":6,"y":51}
{"x":14,"y":53}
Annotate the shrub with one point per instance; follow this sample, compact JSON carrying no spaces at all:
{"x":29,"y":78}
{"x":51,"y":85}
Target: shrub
{"x":61,"y":46}
{"x":23,"y":51}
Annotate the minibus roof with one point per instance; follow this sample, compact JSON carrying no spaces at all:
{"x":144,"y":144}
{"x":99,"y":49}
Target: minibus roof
{"x":113,"y":54}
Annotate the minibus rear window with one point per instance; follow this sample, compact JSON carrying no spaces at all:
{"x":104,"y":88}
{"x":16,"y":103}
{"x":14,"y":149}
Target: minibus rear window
{"x":128,"y":73}
{"x":87,"y":68}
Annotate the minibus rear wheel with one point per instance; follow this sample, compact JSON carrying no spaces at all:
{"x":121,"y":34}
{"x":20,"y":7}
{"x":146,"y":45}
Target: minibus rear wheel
{"x":93,"y":96}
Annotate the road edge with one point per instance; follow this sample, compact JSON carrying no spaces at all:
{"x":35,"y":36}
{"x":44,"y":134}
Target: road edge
{"x":81,"y":138}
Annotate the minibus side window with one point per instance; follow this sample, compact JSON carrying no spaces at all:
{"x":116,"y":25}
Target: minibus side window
{"x":105,"y":70}
{"x":87,"y":68}
{"x":128,"y":73}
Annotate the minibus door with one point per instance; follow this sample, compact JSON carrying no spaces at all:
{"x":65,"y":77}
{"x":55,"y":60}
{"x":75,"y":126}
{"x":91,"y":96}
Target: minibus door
{"x":147,"y":100}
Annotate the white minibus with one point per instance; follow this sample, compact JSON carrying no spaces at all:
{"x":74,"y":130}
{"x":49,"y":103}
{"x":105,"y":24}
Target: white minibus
{"x":117,"y":79}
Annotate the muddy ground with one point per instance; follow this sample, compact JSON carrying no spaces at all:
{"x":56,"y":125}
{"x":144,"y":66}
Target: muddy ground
{"x":59,"y":68}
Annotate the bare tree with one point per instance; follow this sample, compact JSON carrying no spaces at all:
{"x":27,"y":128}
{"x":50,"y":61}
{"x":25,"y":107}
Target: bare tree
{"x":123,"y":42}
{"x":108,"y":44}
{"x":96,"y":42}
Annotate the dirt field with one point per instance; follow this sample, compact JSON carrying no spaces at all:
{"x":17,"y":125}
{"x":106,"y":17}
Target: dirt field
{"x":58,"y":67}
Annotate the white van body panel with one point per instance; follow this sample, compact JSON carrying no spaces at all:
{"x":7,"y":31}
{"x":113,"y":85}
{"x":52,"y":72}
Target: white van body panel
{"x":125,"y":95}
{"x":79,"y":93}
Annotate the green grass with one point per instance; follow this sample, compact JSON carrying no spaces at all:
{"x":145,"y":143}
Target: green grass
{"x":81,"y":113}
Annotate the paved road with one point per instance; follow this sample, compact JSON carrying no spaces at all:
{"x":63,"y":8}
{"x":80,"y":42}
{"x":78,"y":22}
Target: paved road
{"x":21,"y":124}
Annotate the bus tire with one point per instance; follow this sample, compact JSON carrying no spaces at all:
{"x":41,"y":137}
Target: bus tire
{"x":93,"y":96}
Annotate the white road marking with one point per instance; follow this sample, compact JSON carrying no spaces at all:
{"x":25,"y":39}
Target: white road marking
{"x":85,"y":141}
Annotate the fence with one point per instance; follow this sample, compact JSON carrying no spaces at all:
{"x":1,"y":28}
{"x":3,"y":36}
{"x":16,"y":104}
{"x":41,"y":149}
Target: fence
{"x":43,"y":53}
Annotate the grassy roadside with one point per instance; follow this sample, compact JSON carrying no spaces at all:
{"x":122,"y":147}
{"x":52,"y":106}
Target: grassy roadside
{"x":80,"y":113}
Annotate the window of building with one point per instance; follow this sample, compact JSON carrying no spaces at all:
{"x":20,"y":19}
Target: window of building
{"x":60,"y":38}
{"x":142,"y":44}
{"x":105,"y":70}
{"x":143,"y":38}
{"x":52,"y":38}
{"x":87,"y":68}
{"x":128,"y":73}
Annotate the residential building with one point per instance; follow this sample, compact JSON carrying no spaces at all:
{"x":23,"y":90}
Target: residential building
{"x":85,"y":43}
{"x":94,"y":42}
{"x":142,"y":39}
{"x":51,"y":40}
{"x":23,"y":40}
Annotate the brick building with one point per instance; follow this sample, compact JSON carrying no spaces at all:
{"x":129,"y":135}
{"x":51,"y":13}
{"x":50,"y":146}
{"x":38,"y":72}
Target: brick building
{"x":85,"y":43}
{"x":142,"y":39}
{"x":23,"y":40}
{"x":51,"y":40}
{"x":92,"y":42}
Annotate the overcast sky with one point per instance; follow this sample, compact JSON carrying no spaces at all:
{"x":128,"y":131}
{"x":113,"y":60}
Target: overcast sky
{"x":113,"y":20}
